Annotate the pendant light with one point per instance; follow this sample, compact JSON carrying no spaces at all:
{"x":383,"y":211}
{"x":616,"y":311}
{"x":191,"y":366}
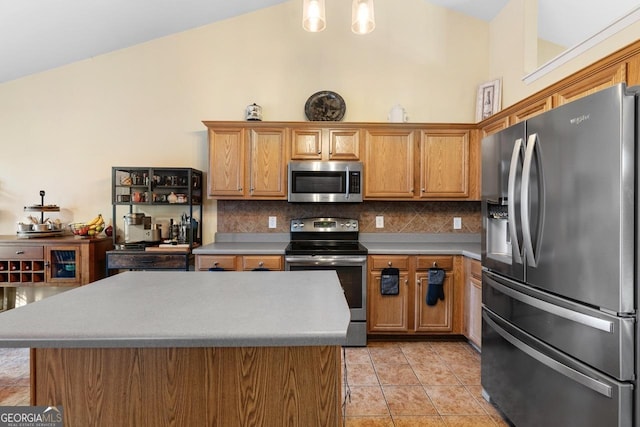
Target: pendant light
{"x":362,"y":17}
{"x":313,"y":15}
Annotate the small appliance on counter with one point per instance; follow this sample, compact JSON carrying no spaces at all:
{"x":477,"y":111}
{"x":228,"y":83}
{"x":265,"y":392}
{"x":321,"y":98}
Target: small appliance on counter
{"x":137,"y":228}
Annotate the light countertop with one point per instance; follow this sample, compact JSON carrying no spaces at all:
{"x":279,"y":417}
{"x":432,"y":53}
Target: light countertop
{"x":376,"y":243}
{"x":186,"y":309}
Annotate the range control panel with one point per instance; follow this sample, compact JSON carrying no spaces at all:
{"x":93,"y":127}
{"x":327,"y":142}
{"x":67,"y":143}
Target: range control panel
{"x":321,"y":225}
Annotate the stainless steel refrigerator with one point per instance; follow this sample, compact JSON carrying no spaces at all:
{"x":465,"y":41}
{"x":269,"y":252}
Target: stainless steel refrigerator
{"x":560,"y":265}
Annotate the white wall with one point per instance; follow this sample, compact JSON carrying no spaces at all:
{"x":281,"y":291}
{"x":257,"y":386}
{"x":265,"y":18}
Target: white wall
{"x":64,"y":129}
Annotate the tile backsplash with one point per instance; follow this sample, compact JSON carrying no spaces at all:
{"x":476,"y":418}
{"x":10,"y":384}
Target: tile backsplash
{"x":241,"y":216}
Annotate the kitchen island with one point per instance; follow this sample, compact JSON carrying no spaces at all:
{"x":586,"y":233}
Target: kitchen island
{"x":188,"y":348}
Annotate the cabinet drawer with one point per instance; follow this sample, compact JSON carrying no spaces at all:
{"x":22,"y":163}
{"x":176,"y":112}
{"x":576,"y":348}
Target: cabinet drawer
{"x":146,"y":261}
{"x":205,"y":262}
{"x":22,"y":252}
{"x":426,"y":262}
{"x":271,"y":262}
{"x":379,"y":262}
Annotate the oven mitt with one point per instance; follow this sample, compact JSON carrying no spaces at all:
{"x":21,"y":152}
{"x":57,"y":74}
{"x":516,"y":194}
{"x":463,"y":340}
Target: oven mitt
{"x":436,"y":288}
{"x":390,"y":281}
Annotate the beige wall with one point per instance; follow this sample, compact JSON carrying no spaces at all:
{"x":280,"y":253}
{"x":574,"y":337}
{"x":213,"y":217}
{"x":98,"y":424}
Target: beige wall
{"x":62,"y":130}
{"x":513,"y":51}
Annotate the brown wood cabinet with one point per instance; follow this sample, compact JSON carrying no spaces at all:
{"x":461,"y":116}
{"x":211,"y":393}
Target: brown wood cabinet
{"x":247,"y":163}
{"x":473,"y":301}
{"x":445,"y":164}
{"x":389,"y":163}
{"x":407,"y":312}
{"x":248,"y":160}
{"x":239,"y":262}
{"x":55,"y":261}
{"x":319,"y":143}
{"x":600,"y":80}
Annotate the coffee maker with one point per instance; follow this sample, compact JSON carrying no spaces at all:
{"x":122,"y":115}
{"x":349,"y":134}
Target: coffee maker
{"x":137,"y":228}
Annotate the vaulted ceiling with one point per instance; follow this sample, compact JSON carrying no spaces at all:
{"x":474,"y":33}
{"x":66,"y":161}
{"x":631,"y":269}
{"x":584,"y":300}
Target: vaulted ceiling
{"x":37,"y":35}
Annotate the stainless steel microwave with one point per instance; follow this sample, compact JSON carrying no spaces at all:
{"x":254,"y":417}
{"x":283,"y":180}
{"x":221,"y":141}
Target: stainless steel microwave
{"x":328,"y":182}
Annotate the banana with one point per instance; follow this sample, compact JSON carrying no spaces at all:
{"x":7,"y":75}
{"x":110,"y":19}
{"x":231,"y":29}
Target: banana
{"x":95,"y":220}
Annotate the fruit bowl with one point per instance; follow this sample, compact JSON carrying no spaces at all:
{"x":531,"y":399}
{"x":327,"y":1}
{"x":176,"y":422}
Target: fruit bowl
{"x":79,"y":229}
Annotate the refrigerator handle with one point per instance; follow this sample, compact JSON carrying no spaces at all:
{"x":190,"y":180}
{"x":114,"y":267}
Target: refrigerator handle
{"x":532,"y":147}
{"x":587,"y":381}
{"x":511,"y":200}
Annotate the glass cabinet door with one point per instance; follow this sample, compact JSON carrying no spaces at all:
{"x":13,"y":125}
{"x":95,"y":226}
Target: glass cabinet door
{"x":63,"y":264}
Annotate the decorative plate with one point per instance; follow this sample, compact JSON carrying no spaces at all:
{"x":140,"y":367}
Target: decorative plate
{"x":325,"y":106}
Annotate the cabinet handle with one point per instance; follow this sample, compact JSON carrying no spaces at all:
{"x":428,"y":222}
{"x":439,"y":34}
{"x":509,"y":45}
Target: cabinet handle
{"x":406,"y":282}
{"x":19,"y":252}
{"x":419,"y":282}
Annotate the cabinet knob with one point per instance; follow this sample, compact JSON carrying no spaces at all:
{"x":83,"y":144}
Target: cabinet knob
{"x":260,"y":264}
{"x":423,"y":190}
{"x":406,"y":282}
{"x":389,"y":263}
{"x":319,"y":151}
{"x":19,"y":252}
{"x":419,"y":282}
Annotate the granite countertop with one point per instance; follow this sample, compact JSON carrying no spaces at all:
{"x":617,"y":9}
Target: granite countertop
{"x":186,"y":309}
{"x":377,"y":243}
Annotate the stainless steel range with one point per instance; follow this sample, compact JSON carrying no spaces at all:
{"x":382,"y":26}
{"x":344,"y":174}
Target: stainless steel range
{"x":332,"y":244}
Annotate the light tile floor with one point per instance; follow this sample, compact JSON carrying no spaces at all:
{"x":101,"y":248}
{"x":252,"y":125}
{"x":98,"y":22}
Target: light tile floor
{"x":401,"y":384}
{"x":411,"y":384}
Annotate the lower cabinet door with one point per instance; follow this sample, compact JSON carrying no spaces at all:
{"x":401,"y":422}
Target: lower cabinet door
{"x":438,"y":317}
{"x":387,"y":313}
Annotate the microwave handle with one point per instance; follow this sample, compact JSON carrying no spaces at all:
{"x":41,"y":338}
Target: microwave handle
{"x":348,"y":183}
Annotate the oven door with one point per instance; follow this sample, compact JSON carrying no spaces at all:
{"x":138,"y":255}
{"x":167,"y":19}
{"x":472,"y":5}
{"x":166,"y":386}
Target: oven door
{"x":352,"y":271}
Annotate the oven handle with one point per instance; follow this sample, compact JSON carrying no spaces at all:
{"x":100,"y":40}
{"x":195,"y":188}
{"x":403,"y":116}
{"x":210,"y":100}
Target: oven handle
{"x":326,"y":259}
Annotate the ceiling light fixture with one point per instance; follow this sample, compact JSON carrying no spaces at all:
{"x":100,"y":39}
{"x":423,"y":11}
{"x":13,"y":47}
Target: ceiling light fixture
{"x":313,"y":15}
{"x":362,"y":17}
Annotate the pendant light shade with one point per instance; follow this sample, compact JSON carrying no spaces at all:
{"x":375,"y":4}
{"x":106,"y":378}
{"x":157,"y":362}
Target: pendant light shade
{"x":313,"y":19}
{"x":362,"y":17}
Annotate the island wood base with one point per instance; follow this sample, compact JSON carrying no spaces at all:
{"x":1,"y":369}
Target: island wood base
{"x":239,"y":386}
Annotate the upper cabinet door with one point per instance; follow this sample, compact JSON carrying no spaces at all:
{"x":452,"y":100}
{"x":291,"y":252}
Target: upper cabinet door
{"x":344,"y":144}
{"x":268,"y":167}
{"x":444,"y":164}
{"x":226,"y":162}
{"x":325,"y":144}
{"x":389,"y":163}
{"x":306,"y":144}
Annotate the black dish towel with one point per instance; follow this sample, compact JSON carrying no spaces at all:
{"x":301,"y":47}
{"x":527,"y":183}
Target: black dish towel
{"x":390,"y":281}
{"x":436,"y":288}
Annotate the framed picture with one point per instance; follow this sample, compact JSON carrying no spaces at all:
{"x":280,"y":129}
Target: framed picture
{"x":489,"y":99}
